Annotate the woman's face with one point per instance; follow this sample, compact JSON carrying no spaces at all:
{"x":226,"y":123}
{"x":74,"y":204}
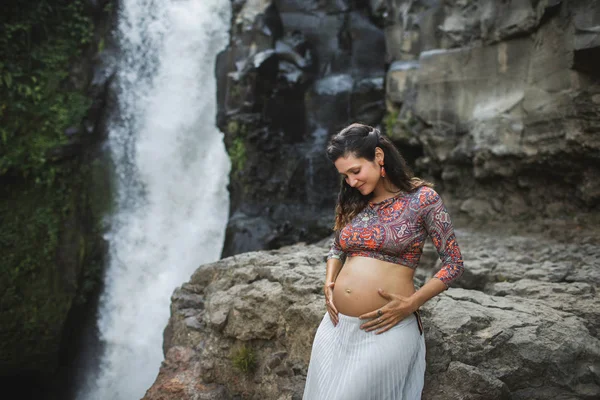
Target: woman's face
{"x":360,"y":173}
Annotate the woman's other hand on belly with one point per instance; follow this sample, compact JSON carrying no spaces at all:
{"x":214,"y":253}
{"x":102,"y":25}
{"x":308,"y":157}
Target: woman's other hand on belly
{"x":333,"y":312}
{"x":384,"y":318}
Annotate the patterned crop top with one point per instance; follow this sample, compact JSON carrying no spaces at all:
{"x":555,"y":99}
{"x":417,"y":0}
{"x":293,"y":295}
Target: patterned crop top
{"x":395,"y":230}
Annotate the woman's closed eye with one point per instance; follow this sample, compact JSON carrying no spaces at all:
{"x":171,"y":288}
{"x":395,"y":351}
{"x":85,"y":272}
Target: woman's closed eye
{"x":351,"y":173}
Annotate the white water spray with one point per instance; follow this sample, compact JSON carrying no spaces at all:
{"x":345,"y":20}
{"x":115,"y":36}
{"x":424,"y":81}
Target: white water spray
{"x":172,"y":168}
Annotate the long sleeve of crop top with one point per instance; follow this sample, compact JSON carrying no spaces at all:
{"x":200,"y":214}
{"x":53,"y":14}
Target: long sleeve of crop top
{"x":335,"y":251}
{"x":437,"y":223}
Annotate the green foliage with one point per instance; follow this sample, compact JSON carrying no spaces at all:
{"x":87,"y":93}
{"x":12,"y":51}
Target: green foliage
{"x":108,"y":7}
{"x":389,"y":121}
{"x":47,"y":236}
{"x":237,"y":133}
{"x":237,"y":154}
{"x":234,"y":92}
{"x":244,"y":359}
{"x":42,"y":237}
{"x":34,"y":299}
{"x":39,"y":40}
{"x":233,"y":127}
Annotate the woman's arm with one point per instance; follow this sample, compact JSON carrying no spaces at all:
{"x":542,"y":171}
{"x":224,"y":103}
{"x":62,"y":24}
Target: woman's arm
{"x":334,"y":265}
{"x":335,"y":261}
{"x":436,"y":221}
{"x":432,"y":288}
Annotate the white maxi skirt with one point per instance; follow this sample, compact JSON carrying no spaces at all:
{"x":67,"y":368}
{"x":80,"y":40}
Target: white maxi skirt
{"x":347,"y":363}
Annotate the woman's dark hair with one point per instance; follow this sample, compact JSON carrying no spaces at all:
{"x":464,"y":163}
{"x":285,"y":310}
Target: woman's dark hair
{"x":360,"y":141}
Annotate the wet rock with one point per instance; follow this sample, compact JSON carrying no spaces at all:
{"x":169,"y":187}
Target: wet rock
{"x":308,"y":6}
{"x":294,"y":73}
{"x":367,"y":101}
{"x":367,"y":46}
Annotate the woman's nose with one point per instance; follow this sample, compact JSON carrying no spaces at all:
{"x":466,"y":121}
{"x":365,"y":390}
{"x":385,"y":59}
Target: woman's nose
{"x":352,"y":182}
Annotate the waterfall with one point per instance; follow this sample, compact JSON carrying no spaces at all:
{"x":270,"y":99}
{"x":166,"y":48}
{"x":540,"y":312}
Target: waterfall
{"x":171,"y":169}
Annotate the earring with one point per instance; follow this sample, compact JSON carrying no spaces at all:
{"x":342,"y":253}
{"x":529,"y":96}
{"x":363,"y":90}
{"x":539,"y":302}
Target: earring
{"x":382,"y":172}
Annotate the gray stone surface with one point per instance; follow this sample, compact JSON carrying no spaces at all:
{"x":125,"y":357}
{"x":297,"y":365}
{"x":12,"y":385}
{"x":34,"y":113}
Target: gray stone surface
{"x":503,"y":92}
{"x":525,"y":344}
{"x":513,"y":327}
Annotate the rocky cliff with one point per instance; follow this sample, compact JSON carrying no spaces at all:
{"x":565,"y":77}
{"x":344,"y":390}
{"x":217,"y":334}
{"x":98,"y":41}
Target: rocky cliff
{"x":503,"y":98}
{"x":495,"y":101}
{"x":522,"y":322}
{"x":54,"y":184}
{"x":293,"y":73}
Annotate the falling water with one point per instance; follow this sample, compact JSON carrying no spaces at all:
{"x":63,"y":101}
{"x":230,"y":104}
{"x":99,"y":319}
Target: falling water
{"x":172,"y":168}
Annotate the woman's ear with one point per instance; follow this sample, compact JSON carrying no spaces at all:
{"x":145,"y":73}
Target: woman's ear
{"x":379,"y":155}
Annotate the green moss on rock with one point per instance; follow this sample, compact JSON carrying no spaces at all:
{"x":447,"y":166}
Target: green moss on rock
{"x":50,"y":239}
{"x":237,"y":154}
{"x":35,"y":297}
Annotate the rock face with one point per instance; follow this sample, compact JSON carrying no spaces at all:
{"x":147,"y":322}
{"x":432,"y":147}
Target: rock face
{"x":500,"y":336}
{"x":293,"y":74}
{"x":501,"y":98}
{"x":496,"y":102}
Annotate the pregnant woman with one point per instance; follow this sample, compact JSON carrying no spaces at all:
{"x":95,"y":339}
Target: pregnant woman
{"x":370,"y":344}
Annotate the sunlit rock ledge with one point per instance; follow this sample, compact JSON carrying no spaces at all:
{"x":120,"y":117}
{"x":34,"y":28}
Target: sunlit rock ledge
{"x":508,"y":337}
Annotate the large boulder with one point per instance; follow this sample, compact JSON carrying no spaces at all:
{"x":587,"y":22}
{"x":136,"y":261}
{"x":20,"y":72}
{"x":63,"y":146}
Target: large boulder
{"x":507,"y":348}
{"x":503,"y":338}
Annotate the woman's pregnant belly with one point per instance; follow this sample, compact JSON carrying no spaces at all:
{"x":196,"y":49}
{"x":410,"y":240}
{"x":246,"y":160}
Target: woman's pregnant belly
{"x":355,"y":291}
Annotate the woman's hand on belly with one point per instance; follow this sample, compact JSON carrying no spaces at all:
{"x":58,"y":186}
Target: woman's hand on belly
{"x":333,"y":312}
{"x":384,"y":318}
{"x":355,"y":291}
